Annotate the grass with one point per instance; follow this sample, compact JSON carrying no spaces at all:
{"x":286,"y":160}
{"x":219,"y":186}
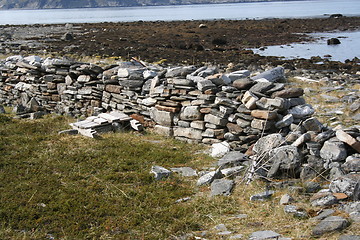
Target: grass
{"x":72,"y":187}
{"x":322,"y":101}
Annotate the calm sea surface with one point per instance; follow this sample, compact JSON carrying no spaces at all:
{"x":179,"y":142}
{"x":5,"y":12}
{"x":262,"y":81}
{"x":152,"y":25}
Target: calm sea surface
{"x":257,"y":10}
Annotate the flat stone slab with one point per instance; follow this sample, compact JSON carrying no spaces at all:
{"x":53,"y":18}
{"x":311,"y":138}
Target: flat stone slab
{"x":330,"y":224}
{"x":233,"y":158}
{"x":222,"y":187}
{"x":160,"y":172}
{"x":267,"y":234}
{"x":185,"y":171}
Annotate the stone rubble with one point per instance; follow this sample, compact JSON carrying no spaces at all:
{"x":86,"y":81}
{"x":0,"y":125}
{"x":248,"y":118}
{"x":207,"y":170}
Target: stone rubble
{"x":234,"y":112}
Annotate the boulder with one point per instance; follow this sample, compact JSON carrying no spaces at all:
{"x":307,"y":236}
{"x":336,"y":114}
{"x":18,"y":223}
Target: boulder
{"x":302,"y":111}
{"x":285,"y":160}
{"x":333,"y":151}
{"x":312,"y":124}
{"x":330,"y":224}
{"x":220,"y":149}
{"x":162,"y":117}
{"x":160,"y":172}
{"x":333,"y":41}
{"x":222,"y":187}
{"x":209,"y":177}
{"x":271,"y":75}
{"x":232,"y":159}
{"x":345,"y":184}
{"x":323,"y":199}
{"x":267,"y":143}
{"x":190,"y":113}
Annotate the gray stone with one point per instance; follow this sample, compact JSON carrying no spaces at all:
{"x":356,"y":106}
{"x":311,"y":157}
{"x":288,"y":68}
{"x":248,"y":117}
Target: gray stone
{"x":352,"y":164}
{"x":262,"y":235}
{"x":285,"y":122}
{"x":185,"y":171}
{"x":286,"y":199}
{"x":147,"y":74}
{"x":349,"y":237}
{"x":272,"y":103}
{"x":69,"y":132}
{"x":330,"y":224}
{"x":232,"y":159}
{"x":2,"y":109}
{"x":355,"y":217}
{"x":220,"y":149}
{"x":295,"y":211}
{"x":190,"y":133}
{"x":322,"y":137}
{"x":271,"y":75}
{"x":243,"y":83}
{"x":209,"y":177}
{"x":249,"y":100}
{"x":67,"y":36}
{"x":301,"y":140}
{"x":233,"y":171}
{"x":190,"y":113}
{"x":262,"y":124}
{"x":312,"y":187}
{"x":267,"y":143}
{"x":179,"y":71}
{"x":163,"y":130}
{"x":302,"y":111}
{"x":324,"y":213}
{"x":312,"y":124}
{"x":231,"y":137}
{"x":345,"y":184}
{"x":286,"y":160}
{"x":238,"y":74}
{"x":222,"y":187}
{"x":162,"y":117}
{"x":236,"y":236}
{"x":210,"y":118}
{"x":160,"y":172}
{"x":262,"y":196}
{"x":205,"y":85}
{"x":333,"y":150}
{"x":351,"y":207}
{"x":323,"y":199}
{"x":289,"y":93}
{"x":261,"y":87}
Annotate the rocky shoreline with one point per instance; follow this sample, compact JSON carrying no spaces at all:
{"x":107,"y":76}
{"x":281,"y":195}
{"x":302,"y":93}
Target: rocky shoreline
{"x":189,"y":42}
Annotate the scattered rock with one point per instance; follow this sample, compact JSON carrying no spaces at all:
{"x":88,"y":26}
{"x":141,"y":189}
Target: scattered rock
{"x":333,"y":41}
{"x":262,"y":235}
{"x":262,"y":196}
{"x":330,"y":224}
{"x":222,"y":187}
{"x":160,"y":172}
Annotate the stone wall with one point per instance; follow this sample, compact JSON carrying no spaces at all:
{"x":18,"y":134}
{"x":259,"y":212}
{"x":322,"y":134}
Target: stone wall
{"x":194,"y":104}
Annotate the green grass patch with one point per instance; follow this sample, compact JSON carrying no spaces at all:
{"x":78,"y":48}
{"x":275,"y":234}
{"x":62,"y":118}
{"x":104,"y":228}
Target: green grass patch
{"x":74,"y":187}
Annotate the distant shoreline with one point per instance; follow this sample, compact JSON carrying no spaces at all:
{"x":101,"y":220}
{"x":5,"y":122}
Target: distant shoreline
{"x":187,"y":3}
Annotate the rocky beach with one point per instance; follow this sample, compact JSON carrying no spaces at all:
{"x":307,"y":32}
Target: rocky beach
{"x":178,"y":42}
{"x":291,"y":123}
